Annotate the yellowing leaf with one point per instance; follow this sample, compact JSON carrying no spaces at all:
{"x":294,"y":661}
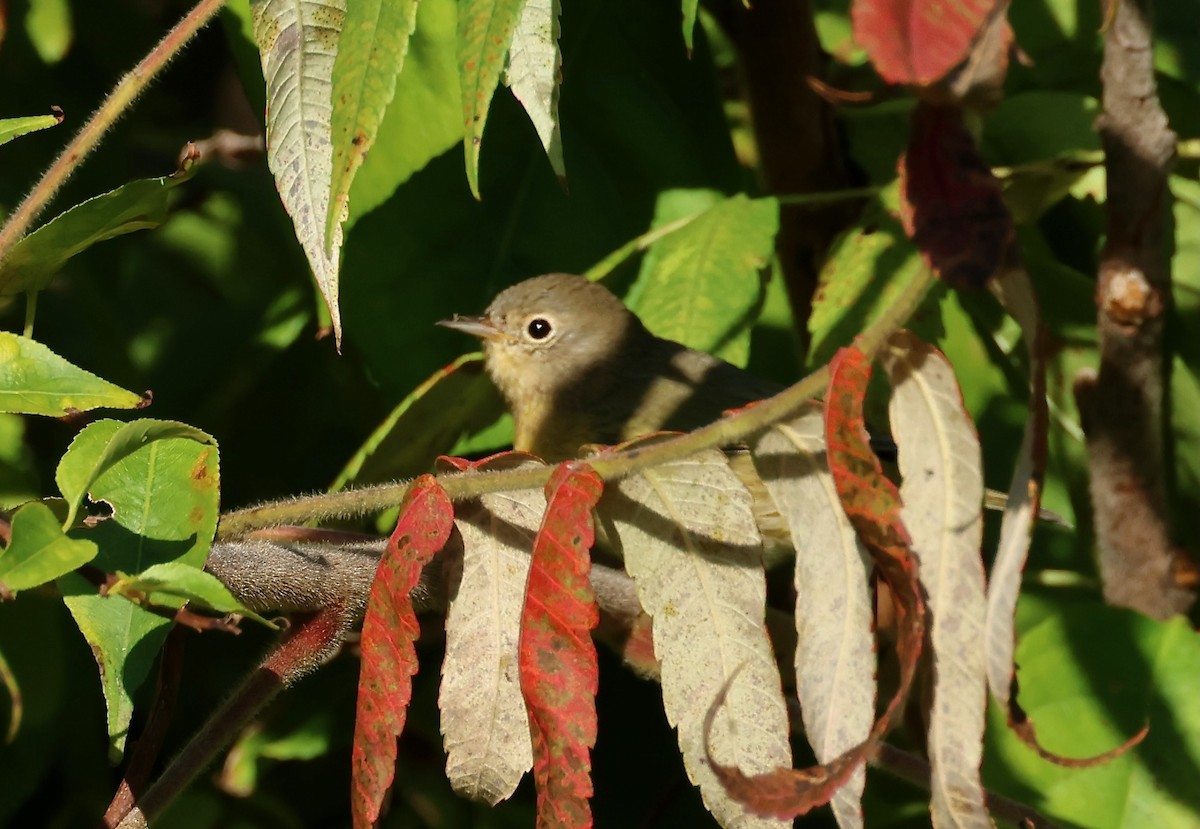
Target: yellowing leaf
{"x":835,"y":648}
{"x":485,"y":29}
{"x":533,"y":74}
{"x":942,"y":491}
{"x":484,"y":719}
{"x":297,"y":40}
{"x":688,"y":536}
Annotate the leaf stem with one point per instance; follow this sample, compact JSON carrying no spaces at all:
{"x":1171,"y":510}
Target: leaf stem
{"x":609,"y":465}
{"x":86,"y":140}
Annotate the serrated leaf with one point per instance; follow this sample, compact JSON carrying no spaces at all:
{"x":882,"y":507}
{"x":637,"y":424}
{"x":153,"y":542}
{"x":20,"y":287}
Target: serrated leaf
{"x":389,"y":658}
{"x":942,"y":489}
{"x":456,"y":399}
{"x":532,"y":74}
{"x":35,"y":380}
{"x":370,"y":54}
{"x":297,"y":40}
{"x":183,"y":582}
{"x":164,"y":496}
{"x":138,"y":205}
{"x":98,"y":448}
{"x":702,"y":284}
{"x":485,"y":30}
{"x":689,"y":539}
{"x":872,"y":505}
{"x":917,"y":41}
{"x":835,"y":650}
{"x":11,"y":128}
{"x":39,"y":551}
{"x":558,"y":667}
{"x":484,"y":719}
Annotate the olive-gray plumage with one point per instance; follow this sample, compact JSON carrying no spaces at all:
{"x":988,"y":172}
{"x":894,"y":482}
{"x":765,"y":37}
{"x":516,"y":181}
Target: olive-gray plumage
{"x":576,"y":366}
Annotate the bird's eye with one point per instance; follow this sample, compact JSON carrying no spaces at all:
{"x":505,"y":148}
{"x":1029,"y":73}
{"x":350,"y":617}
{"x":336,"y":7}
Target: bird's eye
{"x":538,"y":328}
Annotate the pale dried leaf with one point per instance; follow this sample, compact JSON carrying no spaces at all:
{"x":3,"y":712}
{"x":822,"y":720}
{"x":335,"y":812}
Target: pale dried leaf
{"x":942,"y":491}
{"x":835,"y":648}
{"x":687,"y":533}
{"x":297,"y":40}
{"x":533,"y":74}
{"x":484,"y":720}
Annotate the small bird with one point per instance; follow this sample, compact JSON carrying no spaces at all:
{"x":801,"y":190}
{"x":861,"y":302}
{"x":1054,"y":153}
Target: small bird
{"x":576,"y":366}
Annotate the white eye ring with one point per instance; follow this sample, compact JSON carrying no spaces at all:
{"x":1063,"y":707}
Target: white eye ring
{"x":539,"y":329}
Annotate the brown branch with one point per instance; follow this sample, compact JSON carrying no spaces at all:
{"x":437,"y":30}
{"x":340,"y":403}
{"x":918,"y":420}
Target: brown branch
{"x":1121,"y":406}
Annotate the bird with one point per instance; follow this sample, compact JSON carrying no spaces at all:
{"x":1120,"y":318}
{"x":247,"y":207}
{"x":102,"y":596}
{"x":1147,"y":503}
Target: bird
{"x":577,"y":367}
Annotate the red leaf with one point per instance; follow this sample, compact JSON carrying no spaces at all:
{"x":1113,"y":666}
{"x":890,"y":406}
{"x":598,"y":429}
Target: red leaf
{"x":389,"y":659}
{"x":559,"y":674}
{"x":918,"y":41}
{"x":951,"y":204}
{"x":873,"y":506}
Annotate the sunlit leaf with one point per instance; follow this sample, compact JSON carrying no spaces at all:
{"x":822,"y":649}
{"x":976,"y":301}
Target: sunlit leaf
{"x":389,"y":658}
{"x":917,"y":41}
{"x":485,"y":30}
{"x":689,"y":539}
{"x":298,"y":40}
{"x":942,"y":491}
{"x":835,"y":649}
{"x":11,"y":128}
{"x":39,"y":551}
{"x":558,"y":668}
{"x":484,"y":719}
{"x":182,"y":582}
{"x":35,"y":380}
{"x":532,"y":73}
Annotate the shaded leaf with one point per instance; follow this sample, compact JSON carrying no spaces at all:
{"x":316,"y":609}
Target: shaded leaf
{"x":182,"y":582}
{"x":298,"y":40}
{"x":455,"y":399}
{"x":483,"y":715}
{"x":917,"y":41}
{"x":389,"y":659}
{"x":558,"y":668}
{"x":690,"y":7}
{"x":138,"y":205}
{"x":485,"y":30}
{"x":371,"y":49}
{"x":703,"y":284}
{"x":11,"y":128}
{"x":48,"y":24}
{"x":39,"y":551}
{"x":532,"y":73}
{"x":96,"y":450}
{"x":872,"y":504}
{"x":951,"y":202}
{"x":835,"y":649}
{"x":942,"y":492}
{"x":35,"y":380}
{"x":689,"y":539}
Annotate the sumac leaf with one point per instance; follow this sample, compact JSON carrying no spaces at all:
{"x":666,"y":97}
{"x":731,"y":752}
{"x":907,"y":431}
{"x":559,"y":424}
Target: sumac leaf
{"x":917,"y":41}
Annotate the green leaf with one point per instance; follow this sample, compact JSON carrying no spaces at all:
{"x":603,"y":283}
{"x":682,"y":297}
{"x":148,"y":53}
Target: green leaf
{"x":35,"y":380}
{"x":1091,"y":676}
{"x":178,"y":580}
{"x":703,"y":284}
{"x":11,"y":128}
{"x":138,"y":205}
{"x":423,"y":120}
{"x":456,"y":399}
{"x":298,"y":40}
{"x":370,"y":53}
{"x":244,"y":762}
{"x":48,"y":24}
{"x":534,"y":61}
{"x":40,"y":552}
{"x":161,"y":481}
{"x":125,"y":640}
{"x":104,"y":444}
{"x":485,"y":30}
{"x":690,"y":7}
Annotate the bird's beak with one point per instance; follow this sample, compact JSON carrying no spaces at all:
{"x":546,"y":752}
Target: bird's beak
{"x":480,"y":327}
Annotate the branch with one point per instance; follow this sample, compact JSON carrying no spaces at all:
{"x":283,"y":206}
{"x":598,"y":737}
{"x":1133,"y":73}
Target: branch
{"x":610,"y":465}
{"x":1121,"y":406}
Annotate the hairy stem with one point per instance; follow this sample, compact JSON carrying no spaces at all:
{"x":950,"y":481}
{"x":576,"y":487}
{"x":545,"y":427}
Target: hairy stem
{"x":609,"y":465}
{"x":86,"y":140}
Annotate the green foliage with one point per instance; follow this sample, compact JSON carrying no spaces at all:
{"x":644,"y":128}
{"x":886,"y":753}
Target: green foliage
{"x":35,"y":380}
